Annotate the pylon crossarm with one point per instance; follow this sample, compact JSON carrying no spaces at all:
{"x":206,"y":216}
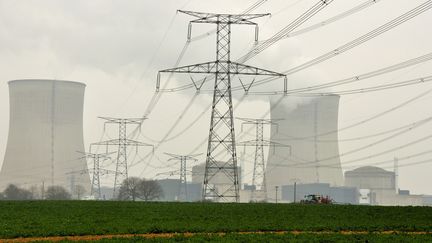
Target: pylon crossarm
{"x":234,"y":68}
{"x":223,"y":18}
{"x":242,"y":69}
{"x":127,"y":142}
{"x":128,"y":120}
{"x":104,"y":156}
{"x":207,"y":67}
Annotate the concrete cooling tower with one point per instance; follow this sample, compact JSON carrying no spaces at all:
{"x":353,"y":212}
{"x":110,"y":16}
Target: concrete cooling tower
{"x":309,"y":126}
{"x":45,"y":133}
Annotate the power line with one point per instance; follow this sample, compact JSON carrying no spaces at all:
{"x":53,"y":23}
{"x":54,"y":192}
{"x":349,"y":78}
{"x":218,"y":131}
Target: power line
{"x":333,"y":19}
{"x":358,"y":41}
{"x":357,"y":78}
{"x":407,"y":126}
{"x":378,"y":115}
{"x":286,"y":30}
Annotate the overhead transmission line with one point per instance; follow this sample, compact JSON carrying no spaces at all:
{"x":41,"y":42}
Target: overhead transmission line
{"x":380,"y":114}
{"x":356,"y":78}
{"x":370,"y":164}
{"x":418,"y":124}
{"x":343,"y":128}
{"x":408,"y":126}
{"x":370,"y":35}
{"x":333,"y":19}
{"x":422,"y":139}
{"x":383,"y":86}
{"x":350,"y":12}
{"x":389,"y":150}
{"x":411,"y":164}
{"x":286,"y":30}
{"x":304,"y":17}
{"x":350,"y":45}
{"x":386,"y":161}
{"x":382,"y":30}
{"x":365,"y":38}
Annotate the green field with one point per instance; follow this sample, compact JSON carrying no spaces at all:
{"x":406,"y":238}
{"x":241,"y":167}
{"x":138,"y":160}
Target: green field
{"x":68,"y":218}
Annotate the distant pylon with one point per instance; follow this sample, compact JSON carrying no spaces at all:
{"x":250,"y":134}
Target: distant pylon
{"x":221,"y":140}
{"x":97,"y":171}
{"x":317,"y":162}
{"x":396,"y":172}
{"x":259,"y":178}
{"x":182,"y":194}
{"x":121,"y":172}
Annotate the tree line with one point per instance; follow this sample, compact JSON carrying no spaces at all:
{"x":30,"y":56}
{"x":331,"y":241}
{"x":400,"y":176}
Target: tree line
{"x":131,"y":189}
{"x":13,"y":192}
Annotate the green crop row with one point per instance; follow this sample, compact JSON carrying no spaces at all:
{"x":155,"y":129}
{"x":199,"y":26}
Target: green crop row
{"x":62,"y":218}
{"x":302,"y":238}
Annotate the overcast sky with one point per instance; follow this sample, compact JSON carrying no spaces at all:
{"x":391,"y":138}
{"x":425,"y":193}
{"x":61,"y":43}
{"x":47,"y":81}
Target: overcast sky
{"x":116,"y":48}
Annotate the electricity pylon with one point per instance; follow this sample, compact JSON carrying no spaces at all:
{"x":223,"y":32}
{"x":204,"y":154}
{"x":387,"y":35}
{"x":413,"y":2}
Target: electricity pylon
{"x":221,"y":140}
{"x":259,"y":178}
{"x":121,"y":172}
{"x":97,"y":171}
{"x":182,"y":194}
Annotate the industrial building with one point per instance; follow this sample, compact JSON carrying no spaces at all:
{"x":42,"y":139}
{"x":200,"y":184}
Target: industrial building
{"x":378,"y":187}
{"x":305,"y":123}
{"x":45,"y":133}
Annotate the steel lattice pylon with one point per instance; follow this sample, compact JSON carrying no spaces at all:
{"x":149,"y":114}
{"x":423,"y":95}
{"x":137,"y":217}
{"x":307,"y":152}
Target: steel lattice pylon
{"x":259,"y":177}
{"x":97,"y":171}
{"x":221,"y":182}
{"x":182,"y":194}
{"x":121,"y":172}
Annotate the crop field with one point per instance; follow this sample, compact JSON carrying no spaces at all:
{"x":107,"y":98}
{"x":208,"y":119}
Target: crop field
{"x":197,"y":222}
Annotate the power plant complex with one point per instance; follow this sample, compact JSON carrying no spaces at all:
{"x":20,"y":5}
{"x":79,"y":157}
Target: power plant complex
{"x":46,"y":134}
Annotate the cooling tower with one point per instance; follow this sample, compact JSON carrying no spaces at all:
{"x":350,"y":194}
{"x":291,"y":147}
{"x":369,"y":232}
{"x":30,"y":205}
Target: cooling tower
{"x":45,"y":133}
{"x":309,"y":126}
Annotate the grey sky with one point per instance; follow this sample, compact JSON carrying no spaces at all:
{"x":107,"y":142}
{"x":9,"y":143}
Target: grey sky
{"x":117,"y":46}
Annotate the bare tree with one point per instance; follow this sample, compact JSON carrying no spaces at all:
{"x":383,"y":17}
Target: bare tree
{"x":12,"y":192}
{"x":150,"y":190}
{"x":57,"y":193}
{"x":129,"y":189}
{"x":135,"y":188}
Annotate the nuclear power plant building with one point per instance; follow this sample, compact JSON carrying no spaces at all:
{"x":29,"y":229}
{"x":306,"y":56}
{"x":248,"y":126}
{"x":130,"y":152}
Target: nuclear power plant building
{"x":309,"y":125}
{"x":45,"y":133}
